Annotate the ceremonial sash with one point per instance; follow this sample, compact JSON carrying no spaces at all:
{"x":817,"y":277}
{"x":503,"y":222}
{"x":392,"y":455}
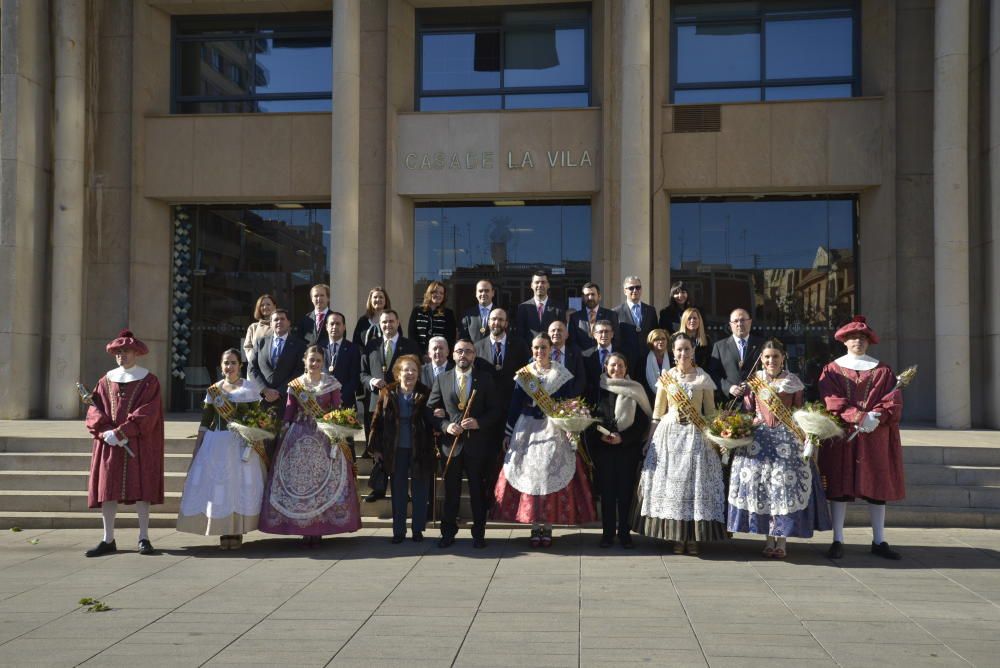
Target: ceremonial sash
{"x":684,"y":406}
{"x":306,"y":398}
{"x":227,"y":411}
{"x":532,"y":386}
{"x":766,"y":394}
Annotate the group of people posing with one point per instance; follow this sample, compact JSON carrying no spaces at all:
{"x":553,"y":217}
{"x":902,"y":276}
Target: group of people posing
{"x":483,"y":397}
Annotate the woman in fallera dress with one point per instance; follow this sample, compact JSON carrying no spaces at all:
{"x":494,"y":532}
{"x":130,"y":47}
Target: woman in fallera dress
{"x":543,"y":480}
{"x":225,"y":482}
{"x":311,"y":491}
{"x":773,"y":491}
{"x":681,"y":496}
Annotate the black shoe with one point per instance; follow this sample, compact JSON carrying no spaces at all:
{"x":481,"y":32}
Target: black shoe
{"x":396,"y":540}
{"x":374,"y":496}
{"x":446,"y":541}
{"x":418,"y":536}
{"x":606,"y":541}
{"x":145,"y":547}
{"x":626,"y":542}
{"x":102,"y":549}
{"x":836,"y":550}
{"x":883,"y":550}
{"x":479,"y":542}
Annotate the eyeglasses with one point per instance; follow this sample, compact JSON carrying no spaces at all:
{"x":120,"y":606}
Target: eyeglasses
{"x":633,"y":288}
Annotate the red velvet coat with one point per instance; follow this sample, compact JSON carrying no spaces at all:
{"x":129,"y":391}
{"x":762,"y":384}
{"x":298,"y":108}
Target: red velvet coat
{"x":135,"y":411}
{"x":871,"y":465}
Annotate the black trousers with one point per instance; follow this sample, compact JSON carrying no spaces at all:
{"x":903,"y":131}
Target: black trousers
{"x":616,"y":468}
{"x":400,"y":481}
{"x":476,"y":466}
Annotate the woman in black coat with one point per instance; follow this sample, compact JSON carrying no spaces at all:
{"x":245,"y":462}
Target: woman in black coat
{"x":615,"y":444}
{"x":431,"y":318}
{"x":401,"y":437}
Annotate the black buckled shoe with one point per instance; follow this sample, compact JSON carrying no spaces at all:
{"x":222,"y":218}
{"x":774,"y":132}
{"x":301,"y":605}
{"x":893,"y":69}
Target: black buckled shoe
{"x":145,"y":547}
{"x":102,"y":549}
{"x":836,"y":550}
{"x":883,"y":550}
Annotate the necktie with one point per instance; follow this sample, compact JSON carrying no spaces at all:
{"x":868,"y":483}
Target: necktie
{"x":438,"y":370}
{"x":319,"y":322}
{"x":592,"y":317}
{"x":388,"y":351}
{"x":276,"y":351}
{"x":333,"y":354}
{"x":743,"y":349}
{"x":557,"y":355}
{"x":541,"y":310}
{"x":637,"y":315}
{"x":484,"y":314}
{"x":604,"y":356}
{"x":498,"y":354}
{"x":462,"y":390}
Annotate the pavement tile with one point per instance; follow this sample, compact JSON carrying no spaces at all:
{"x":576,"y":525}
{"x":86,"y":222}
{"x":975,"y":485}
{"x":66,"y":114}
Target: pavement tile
{"x":905,"y":656}
{"x":882,"y":633}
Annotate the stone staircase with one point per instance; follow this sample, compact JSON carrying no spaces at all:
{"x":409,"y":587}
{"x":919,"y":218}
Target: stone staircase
{"x":953,"y":480}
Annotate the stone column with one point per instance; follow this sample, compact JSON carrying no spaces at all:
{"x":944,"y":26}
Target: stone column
{"x":951,"y":214}
{"x":346,"y":133}
{"x":991,"y":402}
{"x":68,"y":206}
{"x":635,"y":228}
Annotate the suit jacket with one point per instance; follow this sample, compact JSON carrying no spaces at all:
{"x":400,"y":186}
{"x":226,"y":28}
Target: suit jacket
{"x":472,"y":323}
{"x":285,"y":368}
{"x":573,"y":361}
{"x":724,"y":365}
{"x":427,"y":372}
{"x":516,"y":356}
{"x":592,"y":368}
{"x":486,"y":408}
{"x":526,"y":323}
{"x":347,"y":370}
{"x":375,"y":366}
{"x":579,"y":326}
{"x":307,"y":330}
{"x":631,"y":338}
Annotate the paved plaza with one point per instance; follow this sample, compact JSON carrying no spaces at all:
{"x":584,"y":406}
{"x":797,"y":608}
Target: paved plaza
{"x":359,"y":600}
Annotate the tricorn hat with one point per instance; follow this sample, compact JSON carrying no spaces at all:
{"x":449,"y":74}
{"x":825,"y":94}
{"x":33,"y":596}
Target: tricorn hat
{"x":859,"y":325}
{"x":126,"y":341}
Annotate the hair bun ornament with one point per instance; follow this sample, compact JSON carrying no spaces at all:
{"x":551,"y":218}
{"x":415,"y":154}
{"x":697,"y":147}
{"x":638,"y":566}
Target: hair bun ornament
{"x":860,"y":318}
{"x":126,"y":334}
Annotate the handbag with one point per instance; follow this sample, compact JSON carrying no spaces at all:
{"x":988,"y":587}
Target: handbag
{"x":378,"y":479}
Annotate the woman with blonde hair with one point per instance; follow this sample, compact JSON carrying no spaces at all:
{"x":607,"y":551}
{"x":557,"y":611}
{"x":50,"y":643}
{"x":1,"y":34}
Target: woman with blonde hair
{"x":693,"y":325}
{"x":657,"y":360}
{"x":260,"y":327}
{"x":367,"y":328}
{"x":432,"y":318}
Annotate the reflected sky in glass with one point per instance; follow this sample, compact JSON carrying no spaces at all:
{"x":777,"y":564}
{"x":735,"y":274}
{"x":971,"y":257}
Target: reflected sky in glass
{"x":809,"y":48}
{"x":295,"y":66}
{"x":545,"y":58}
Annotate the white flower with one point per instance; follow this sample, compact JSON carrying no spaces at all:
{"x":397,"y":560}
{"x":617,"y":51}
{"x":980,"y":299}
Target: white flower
{"x":754,"y":449}
{"x":783,"y":450}
{"x":745,"y":475}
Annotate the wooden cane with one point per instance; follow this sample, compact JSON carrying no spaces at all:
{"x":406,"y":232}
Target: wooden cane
{"x":454,"y":443}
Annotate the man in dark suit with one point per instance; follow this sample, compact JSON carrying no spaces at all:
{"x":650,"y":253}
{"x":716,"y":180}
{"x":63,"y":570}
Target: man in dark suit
{"x":312,"y":327}
{"x":569,"y":356}
{"x":636,"y":319}
{"x":474,"y":325}
{"x":734,"y":356}
{"x":437,"y":350}
{"x":535,"y":315}
{"x":503,"y":353}
{"x":376,"y":367}
{"x":471,"y":429}
{"x":343,"y":357}
{"x":595,"y":358}
{"x":581,"y":323}
{"x":277,"y":360}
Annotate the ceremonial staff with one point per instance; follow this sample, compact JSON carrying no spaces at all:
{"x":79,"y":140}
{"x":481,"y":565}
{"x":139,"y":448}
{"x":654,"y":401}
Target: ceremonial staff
{"x":89,"y":399}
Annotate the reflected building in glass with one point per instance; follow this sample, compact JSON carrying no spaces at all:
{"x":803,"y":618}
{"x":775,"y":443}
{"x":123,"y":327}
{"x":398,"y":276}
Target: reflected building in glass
{"x":774,"y":155}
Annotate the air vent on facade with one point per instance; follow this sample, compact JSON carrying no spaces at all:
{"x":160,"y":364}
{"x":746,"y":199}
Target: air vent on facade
{"x":697,"y":118}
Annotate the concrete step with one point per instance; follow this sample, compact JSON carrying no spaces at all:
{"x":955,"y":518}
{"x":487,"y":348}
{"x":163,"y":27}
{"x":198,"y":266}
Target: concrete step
{"x":951,"y":455}
{"x":57,"y":481}
{"x":953,"y":496}
{"x":939,"y":474}
{"x":928,"y":517}
{"x":72,"y":461}
{"x":27,"y":444}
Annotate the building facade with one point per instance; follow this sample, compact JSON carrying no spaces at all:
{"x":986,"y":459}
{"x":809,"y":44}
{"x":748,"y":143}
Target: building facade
{"x":164,"y":162}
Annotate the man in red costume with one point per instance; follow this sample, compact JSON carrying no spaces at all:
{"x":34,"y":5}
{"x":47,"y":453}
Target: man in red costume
{"x":126,"y":421}
{"x":862,"y":392}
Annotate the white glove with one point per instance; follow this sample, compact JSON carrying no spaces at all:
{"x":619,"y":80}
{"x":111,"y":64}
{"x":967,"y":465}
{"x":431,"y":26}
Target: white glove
{"x":869,"y":422}
{"x":109,"y":437}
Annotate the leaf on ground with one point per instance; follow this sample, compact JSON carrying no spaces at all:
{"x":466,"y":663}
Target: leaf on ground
{"x":33,"y":541}
{"x":87,"y":601}
{"x":15,"y":529}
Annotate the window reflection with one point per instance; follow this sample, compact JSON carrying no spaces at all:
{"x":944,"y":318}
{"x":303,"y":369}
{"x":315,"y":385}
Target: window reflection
{"x":461,"y":244}
{"x":239,"y":253}
{"x":790,"y":262}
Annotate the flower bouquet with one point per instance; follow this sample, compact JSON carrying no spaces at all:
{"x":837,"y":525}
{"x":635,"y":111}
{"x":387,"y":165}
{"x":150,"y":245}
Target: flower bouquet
{"x":572,"y":416}
{"x":254,"y":424}
{"x":340,"y":426}
{"x":819,"y":425}
{"x":730,"y":430}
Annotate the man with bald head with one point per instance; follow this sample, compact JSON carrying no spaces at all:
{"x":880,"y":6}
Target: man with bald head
{"x":734,"y":356}
{"x":568,"y":355}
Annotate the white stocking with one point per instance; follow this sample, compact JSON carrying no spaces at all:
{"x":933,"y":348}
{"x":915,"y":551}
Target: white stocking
{"x":877,"y":514}
{"x":109,"y":509}
{"x":839,"y":511}
{"x":142,"y":508}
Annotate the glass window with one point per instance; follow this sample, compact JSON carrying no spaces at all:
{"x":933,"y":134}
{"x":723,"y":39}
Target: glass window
{"x":807,"y":48}
{"x":462,"y":243}
{"x":225,"y":257}
{"x":496,"y":54}
{"x":251,"y":64}
{"x":790,"y":262}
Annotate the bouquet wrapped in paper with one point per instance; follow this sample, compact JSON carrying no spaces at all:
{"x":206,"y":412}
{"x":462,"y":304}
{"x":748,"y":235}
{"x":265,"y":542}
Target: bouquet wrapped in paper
{"x":730,"y":430}
{"x":340,"y":426}
{"x":254,"y":425}
{"x":572,"y":416}
{"x":819,"y":425}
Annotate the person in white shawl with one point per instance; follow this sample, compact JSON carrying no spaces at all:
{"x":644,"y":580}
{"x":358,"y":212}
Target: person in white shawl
{"x":615,"y":445}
